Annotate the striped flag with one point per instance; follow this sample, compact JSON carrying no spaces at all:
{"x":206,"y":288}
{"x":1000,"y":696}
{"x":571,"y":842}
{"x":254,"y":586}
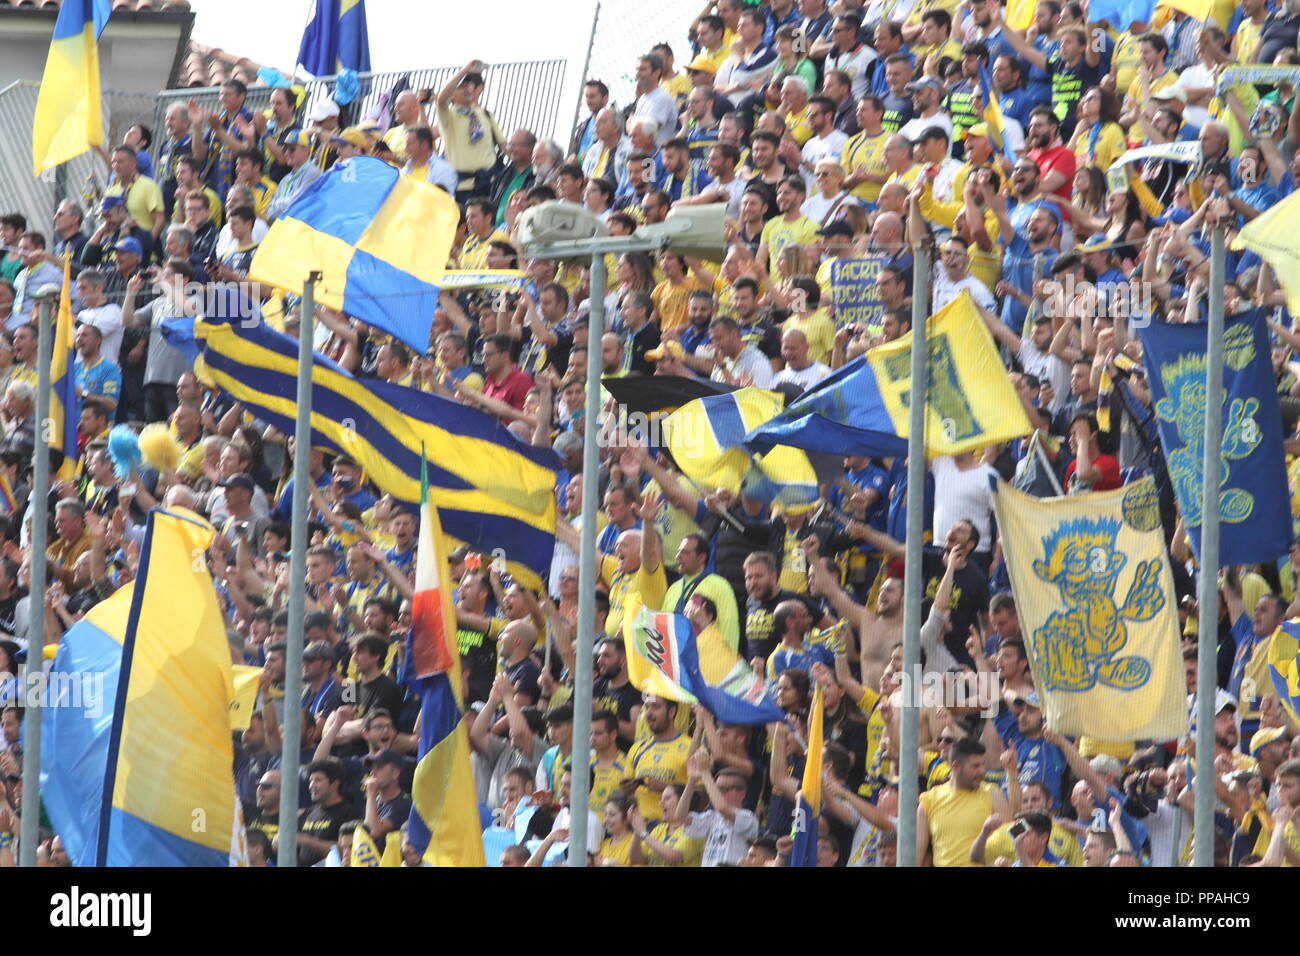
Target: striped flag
{"x":807,"y":815}
{"x":433,"y":619}
{"x":64,"y":409}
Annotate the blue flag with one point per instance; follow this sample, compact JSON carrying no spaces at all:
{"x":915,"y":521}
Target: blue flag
{"x":335,"y":38}
{"x":1254,"y":504}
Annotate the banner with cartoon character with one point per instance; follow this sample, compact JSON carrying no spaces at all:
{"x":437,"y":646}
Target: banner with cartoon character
{"x":1254,"y":503}
{"x":1094,"y":593}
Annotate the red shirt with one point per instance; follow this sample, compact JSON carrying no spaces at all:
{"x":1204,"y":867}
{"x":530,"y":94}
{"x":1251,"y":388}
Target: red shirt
{"x":1056,"y":159}
{"x":510,"y":389}
{"x":1108,"y":465}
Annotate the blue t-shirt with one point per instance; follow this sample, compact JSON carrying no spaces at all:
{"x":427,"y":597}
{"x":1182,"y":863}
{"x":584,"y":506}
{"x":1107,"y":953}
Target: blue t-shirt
{"x":1018,"y":268}
{"x":103,"y":378}
{"x":1041,"y":762}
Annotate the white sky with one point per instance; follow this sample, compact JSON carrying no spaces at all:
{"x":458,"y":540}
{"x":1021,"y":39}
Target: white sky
{"x":415,"y":34}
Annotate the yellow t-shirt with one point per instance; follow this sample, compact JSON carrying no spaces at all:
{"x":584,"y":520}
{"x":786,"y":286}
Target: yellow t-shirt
{"x":672,"y":299}
{"x":464,"y":154}
{"x":395,"y":139}
{"x":906,"y":179}
{"x":1162,"y":82}
{"x":617,"y":851}
{"x":607,"y":779}
{"x":778,"y":233}
{"x":473,"y":255}
{"x":215,"y":209}
{"x":819,"y":329}
{"x":866,"y":153}
{"x":1061,"y":844}
{"x":1125,"y":59}
{"x":692,"y":848}
{"x":1244,"y":42}
{"x":679,"y":87}
{"x":800,"y":125}
{"x":649,"y":585}
{"x":1109,"y":147}
{"x":658,"y":760}
{"x":956,"y":818}
{"x":143,"y":199}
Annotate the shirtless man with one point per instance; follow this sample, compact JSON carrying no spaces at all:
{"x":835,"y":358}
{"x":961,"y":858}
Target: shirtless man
{"x":878,"y":631}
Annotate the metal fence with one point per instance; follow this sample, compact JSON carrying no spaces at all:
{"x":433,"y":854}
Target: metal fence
{"x":625,"y":29}
{"x":524,"y":94}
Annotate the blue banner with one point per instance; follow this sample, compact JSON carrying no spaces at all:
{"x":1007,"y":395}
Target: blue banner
{"x":854,"y":295}
{"x":1254,"y":504}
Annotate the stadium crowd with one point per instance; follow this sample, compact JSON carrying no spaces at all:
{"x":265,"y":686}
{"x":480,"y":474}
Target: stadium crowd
{"x":832,"y":133}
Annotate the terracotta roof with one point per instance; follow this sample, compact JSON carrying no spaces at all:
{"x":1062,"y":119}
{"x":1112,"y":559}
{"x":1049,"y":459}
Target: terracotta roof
{"x":211,"y":66}
{"x":130,"y":6}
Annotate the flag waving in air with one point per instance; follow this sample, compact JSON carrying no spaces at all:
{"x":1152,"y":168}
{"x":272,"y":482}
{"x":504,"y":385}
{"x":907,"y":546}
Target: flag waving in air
{"x":336,"y":38}
{"x":433,"y":618}
{"x":68,"y":120}
{"x":64,"y":411}
{"x":807,"y":815}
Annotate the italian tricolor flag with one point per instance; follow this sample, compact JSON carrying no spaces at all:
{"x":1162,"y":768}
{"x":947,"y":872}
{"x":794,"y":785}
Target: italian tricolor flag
{"x":433,"y":618}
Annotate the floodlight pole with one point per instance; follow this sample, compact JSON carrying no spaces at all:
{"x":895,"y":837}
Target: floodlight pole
{"x":1208,"y":591}
{"x":38,"y":512}
{"x":291,"y":742}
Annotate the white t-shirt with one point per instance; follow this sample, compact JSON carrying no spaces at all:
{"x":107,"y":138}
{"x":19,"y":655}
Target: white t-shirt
{"x":1196,"y":77}
{"x":830,"y":146}
{"x":943,"y":182}
{"x":914,"y":128}
{"x":227,"y":243}
{"x":108,"y":319}
{"x":945,"y":290}
{"x":725,"y":842}
{"x":753,"y":363}
{"x":963,"y":496}
{"x":817,"y":206}
{"x":659,"y":105}
{"x":1044,"y":365}
{"x":805,"y":379}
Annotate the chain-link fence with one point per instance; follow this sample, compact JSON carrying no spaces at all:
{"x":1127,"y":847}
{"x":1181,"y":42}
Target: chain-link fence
{"x":519,"y":95}
{"x":625,"y":29}
{"x":36,"y":197}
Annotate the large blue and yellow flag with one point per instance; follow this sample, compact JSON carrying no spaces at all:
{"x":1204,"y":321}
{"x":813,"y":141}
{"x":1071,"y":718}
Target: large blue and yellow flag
{"x":491,"y":490}
{"x":665,"y":657}
{"x":993,"y":116}
{"x":1093,"y":588}
{"x":706,"y":437}
{"x":336,"y":38}
{"x":1284,"y":667}
{"x":135,"y":742}
{"x":862,"y":409}
{"x":380,"y":241}
{"x":68,"y":120}
{"x":807,"y":815}
{"x":64,"y":409}
{"x":1254,"y":504}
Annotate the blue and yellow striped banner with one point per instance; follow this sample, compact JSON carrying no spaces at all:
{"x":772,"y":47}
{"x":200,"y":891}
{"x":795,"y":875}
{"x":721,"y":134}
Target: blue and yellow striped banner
{"x":492,"y":491}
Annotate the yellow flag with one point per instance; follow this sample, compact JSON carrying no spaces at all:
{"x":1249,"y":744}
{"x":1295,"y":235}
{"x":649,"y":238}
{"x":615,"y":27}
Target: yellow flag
{"x":364,"y":851}
{"x":241,"y":705}
{"x":1271,"y":235}
{"x":1095,"y":597}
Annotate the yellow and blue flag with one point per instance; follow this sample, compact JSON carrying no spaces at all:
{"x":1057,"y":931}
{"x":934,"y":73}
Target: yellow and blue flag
{"x":491,"y":490}
{"x":1254,"y":504}
{"x":1284,"y":667}
{"x":64,"y":410}
{"x":1271,"y":236}
{"x":665,"y":657}
{"x":336,"y":38}
{"x":68,"y":120}
{"x":136,"y":750}
{"x":379,"y":239}
{"x":807,"y":815}
{"x":365,"y":853}
{"x":1092,"y":583}
{"x":862,"y":409}
{"x":993,"y":116}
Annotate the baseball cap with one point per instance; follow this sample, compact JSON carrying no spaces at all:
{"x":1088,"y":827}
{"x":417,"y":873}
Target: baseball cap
{"x":238,"y":481}
{"x":1263,"y":737}
{"x":922,"y":83}
{"x":318,"y":651}
{"x":323,"y":110}
{"x":111,"y":202}
{"x":1223,"y":700}
{"x":296,"y":137}
{"x":1097,"y":242}
{"x":352,"y":137}
{"x":979,"y":129}
{"x":1174,"y":92}
{"x":1174,"y":214}
{"x":385,"y":756}
{"x":837,"y":227}
{"x":703,"y":64}
{"x":129,"y":245}
{"x":1031,"y":699}
{"x":669,"y":349}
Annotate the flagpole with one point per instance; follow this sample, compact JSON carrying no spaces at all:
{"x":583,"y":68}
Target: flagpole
{"x":291,"y":743}
{"x":1208,"y":592}
{"x":580,"y":781}
{"x":916,"y":469}
{"x":38,"y":510}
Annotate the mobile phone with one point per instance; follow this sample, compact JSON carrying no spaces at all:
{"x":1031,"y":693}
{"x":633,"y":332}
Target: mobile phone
{"x":1017,"y":829}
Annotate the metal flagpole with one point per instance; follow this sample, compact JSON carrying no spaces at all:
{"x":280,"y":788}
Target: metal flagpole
{"x":1208,"y":593}
{"x":912,"y":578}
{"x":291,"y":744}
{"x":38,"y":512}
{"x":586,"y":65}
{"x":580,"y":786}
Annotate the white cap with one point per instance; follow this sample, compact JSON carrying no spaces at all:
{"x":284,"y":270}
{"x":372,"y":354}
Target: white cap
{"x":1174,"y":92}
{"x":323,"y":110}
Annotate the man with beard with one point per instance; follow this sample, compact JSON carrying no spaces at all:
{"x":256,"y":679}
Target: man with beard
{"x":1027,"y":232}
{"x":613,"y":691}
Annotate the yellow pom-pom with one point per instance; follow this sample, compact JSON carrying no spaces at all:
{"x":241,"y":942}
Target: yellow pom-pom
{"x":159,"y":449}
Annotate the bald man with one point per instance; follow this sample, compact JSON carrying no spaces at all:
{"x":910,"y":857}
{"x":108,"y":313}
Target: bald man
{"x":408,"y":112}
{"x":800,"y":371}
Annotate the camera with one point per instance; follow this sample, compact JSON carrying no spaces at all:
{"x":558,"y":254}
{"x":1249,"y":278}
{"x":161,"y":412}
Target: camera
{"x":1017,"y":829}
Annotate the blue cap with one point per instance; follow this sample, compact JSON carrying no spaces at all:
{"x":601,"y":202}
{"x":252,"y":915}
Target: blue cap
{"x":111,"y":202}
{"x":129,"y":245}
{"x":1175,"y":214}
